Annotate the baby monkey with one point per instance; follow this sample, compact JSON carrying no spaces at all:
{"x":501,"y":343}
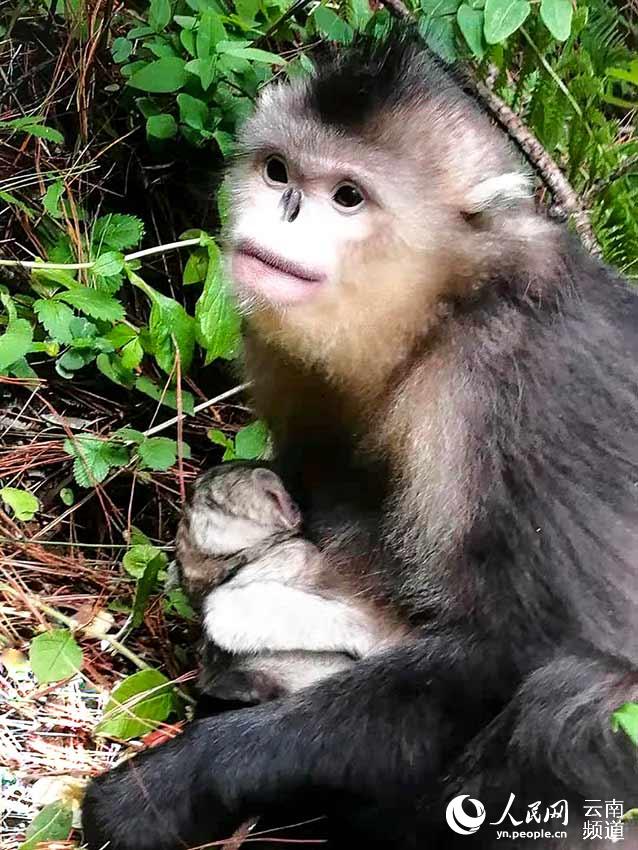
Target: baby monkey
{"x":275,"y":617}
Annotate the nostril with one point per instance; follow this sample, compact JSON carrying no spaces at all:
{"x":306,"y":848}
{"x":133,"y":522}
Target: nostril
{"x":291,"y":203}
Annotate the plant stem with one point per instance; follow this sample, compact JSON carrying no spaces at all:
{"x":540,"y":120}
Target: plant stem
{"x":158,"y":249}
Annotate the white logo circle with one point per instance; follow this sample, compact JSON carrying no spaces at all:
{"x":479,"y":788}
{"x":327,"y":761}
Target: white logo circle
{"x":459,"y":820}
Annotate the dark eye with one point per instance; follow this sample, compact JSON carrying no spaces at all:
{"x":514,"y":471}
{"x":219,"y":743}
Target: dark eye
{"x":276,"y":170}
{"x":347,"y":195}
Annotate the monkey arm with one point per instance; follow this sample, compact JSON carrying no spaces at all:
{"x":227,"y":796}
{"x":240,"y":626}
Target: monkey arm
{"x":389,"y":719}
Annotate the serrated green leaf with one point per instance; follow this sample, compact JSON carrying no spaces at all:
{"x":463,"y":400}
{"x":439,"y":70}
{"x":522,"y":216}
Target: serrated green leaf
{"x":54,"y":655}
{"x":15,"y":342}
{"x":108,"y":264}
{"x":162,"y":76}
{"x":557,"y":17}
{"x":503,"y":17}
{"x":93,"y":302}
{"x":137,"y":705}
{"x":55,"y":317}
{"x":31,"y":126}
{"x":94,"y":458}
{"x":157,"y":453}
{"x":626,"y":718}
{"x":192,"y":111}
{"x":53,"y":823}
{"x":23,"y":503}
{"x":162,"y":126}
{"x":331,"y":25}
{"x":470,"y":23}
{"x":169,"y":326}
{"x":51,"y":198}
{"x":218,"y":323}
{"x":159,"y":14}
{"x":251,"y":441}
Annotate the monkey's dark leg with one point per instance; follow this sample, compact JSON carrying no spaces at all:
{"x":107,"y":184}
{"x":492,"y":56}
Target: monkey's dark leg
{"x":374,"y":737}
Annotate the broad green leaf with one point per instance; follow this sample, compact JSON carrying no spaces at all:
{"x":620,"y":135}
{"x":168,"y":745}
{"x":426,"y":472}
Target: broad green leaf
{"x":195,"y":268}
{"x":162,"y":76}
{"x":162,"y":126}
{"x":503,"y":17}
{"x":139,"y":556}
{"x":257,"y":55}
{"x":210,"y":31}
{"x":51,"y":198}
{"x":108,"y":264}
{"x":54,"y":655}
{"x":158,"y":453}
{"x":440,"y":36}
{"x":93,"y":302}
{"x":192,"y":111}
{"x":137,"y":705}
{"x":557,"y":17}
{"x":53,"y":823}
{"x":220,"y":439}
{"x":117,"y":231}
{"x":626,"y":718}
{"x":470,"y":23}
{"x":15,"y":342}
{"x":159,"y":14}
{"x":218,"y":323}
{"x":169,"y":326}
{"x":129,"y":434}
{"x":251,"y":441}
{"x":331,"y":25}
{"x":126,"y":342}
{"x":177,"y":602}
{"x":121,"y":49}
{"x":23,"y":503}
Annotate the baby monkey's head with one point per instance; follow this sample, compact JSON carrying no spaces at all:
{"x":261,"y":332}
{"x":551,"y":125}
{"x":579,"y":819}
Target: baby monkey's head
{"x":238,"y":505}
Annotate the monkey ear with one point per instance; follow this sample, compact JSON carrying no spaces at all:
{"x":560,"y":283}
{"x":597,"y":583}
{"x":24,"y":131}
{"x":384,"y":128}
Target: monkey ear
{"x":273,"y":488}
{"x":498,"y":192}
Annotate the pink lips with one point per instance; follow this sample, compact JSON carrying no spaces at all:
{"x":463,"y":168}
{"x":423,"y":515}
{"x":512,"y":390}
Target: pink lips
{"x":280,"y":280}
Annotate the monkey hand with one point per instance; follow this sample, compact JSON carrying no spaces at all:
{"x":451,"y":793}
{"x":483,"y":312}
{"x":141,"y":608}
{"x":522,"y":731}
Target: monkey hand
{"x":167,"y":798}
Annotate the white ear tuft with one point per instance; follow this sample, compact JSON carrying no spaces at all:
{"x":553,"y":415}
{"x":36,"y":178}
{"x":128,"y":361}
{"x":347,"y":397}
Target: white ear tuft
{"x":499,"y":192}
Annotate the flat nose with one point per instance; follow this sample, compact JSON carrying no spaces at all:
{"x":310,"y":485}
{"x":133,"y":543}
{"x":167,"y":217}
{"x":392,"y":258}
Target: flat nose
{"x":291,"y":203}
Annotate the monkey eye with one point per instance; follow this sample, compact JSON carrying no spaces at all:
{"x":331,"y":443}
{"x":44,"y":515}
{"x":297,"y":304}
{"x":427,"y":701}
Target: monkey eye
{"x":276,"y":170}
{"x":348,"y":196}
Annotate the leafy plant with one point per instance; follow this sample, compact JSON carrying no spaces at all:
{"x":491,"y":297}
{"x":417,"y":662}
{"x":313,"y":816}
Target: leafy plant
{"x":23,"y":504}
{"x":137,"y":705}
{"x":55,"y":655}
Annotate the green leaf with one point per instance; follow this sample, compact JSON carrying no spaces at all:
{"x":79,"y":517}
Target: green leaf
{"x":129,"y":435}
{"x":94,"y":458}
{"x":51,"y":199}
{"x":54,"y":655}
{"x":121,"y":49}
{"x":159,"y":14}
{"x":15,"y":342}
{"x":169,"y":326}
{"x":470,"y":23}
{"x":195,"y":268}
{"x":93,"y":302}
{"x":55,"y":317}
{"x":210,"y":31}
{"x":626,"y":718}
{"x":257,"y":55}
{"x":53,"y":823}
{"x":126,"y":342}
{"x":192,"y":111}
{"x":31,"y":126}
{"x":67,"y":495}
{"x":158,"y":453}
{"x":177,"y":602}
{"x":218,"y":323}
{"x":331,"y":25}
{"x":137,"y":705}
{"x":162,"y":76}
{"x":251,"y":441}
{"x":155,"y":560}
{"x":557,"y":17}
{"x":23,"y":503}
{"x":108,"y":264}
{"x":220,"y":439}
{"x":161,"y":126}
{"x":138,"y":557}
{"x":503,"y":17}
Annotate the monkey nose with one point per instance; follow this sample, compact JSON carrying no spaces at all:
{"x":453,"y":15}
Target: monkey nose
{"x":291,"y":203}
